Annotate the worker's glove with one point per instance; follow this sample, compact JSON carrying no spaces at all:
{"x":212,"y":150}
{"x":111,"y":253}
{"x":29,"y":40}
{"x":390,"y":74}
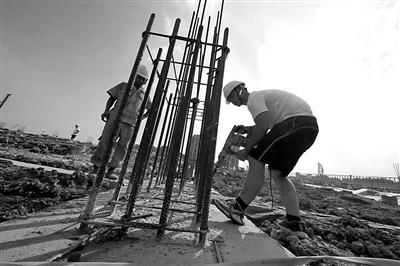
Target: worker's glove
{"x":104,"y":116}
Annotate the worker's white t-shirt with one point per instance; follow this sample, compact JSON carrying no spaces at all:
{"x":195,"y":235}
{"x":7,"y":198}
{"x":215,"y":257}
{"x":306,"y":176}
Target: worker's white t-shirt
{"x":279,"y":105}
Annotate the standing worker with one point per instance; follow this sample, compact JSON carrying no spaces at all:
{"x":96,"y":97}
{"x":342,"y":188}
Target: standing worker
{"x":128,"y":120}
{"x":75,"y":131}
{"x":284,"y":129}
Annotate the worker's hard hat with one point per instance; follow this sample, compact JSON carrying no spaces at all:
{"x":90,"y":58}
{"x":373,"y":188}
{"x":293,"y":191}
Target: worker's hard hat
{"x":77,"y":125}
{"x":228,"y":88}
{"x":142,"y":71}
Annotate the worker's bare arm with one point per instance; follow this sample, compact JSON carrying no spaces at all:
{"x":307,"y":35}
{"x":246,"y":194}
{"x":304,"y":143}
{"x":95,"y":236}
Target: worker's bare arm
{"x":106,"y":113}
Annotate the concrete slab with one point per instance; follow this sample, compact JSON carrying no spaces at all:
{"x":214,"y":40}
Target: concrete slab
{"x":47,"y":234}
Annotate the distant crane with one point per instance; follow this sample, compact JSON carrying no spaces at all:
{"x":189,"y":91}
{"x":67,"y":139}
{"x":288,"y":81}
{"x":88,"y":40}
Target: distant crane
{"x":4,"y":100}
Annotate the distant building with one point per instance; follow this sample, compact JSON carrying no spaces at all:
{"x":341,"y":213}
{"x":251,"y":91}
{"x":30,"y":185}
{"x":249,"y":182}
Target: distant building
{"x":232,"y":163}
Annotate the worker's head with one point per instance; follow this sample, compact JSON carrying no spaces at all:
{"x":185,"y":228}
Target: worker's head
{"x":142,"y":75}
{"x":233,"y":91}
{"x":76,"y":125}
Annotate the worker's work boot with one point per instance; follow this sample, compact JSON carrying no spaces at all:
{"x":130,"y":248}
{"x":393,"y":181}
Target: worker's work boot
{"x":231,"y":210}
{"x":296,"y":228}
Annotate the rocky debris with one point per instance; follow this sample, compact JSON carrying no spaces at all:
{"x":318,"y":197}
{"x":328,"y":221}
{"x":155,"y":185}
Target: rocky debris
{"x":40,"y":143}
{"x":390,"y":200}
{"x":337,"y":223}
{"x":26,"y":190}
{"x":45,"y":150}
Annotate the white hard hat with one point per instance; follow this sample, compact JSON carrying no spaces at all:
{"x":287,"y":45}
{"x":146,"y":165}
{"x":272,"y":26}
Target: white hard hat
{"x":228,"y":88}
{"x":142,"y":71}
{"x":77,"y":125}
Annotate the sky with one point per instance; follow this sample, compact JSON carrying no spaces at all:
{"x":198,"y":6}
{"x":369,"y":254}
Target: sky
{"x":58,"y":59}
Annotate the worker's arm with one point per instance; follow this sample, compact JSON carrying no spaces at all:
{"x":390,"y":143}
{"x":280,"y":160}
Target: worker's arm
{"x":148,"y":107}
{"x":257,"y":133}
{"x":109,"y":104}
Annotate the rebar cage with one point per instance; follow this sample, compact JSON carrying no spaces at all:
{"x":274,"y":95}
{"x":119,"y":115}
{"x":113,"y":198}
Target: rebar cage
{"x":182,"y":123}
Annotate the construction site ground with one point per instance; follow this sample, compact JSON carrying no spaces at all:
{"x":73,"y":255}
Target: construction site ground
{"x":53,"y":235}
{"x":39,"y":208}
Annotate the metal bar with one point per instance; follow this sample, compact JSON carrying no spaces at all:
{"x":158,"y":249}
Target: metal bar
{"x":126,"y":224}
{"x":170,"y":133}
{"x":138,"y":169}
{"x":178,"y":136}
{"x":184,"y":81}
{"x":148,"y":145}
{"x":124,"y":101}
{"x":220,"y":19}
{"x":155,"y":126}
{"x":163,"y":158}
{"x":216,"y":101}
{"x":186,"y":57}
{"x":174,"y":201}
{"x":121,"y":177}
{"x":182,"y":63}
{"x":204,"y":136}
{"x":5,"y":99}
{"x":181,"y":38}
{"x":159,"y":208}
{"x":159,"y":143}
{"x":152,"y":60}
{"x":183,"y":142}
{"x":202,"y":13}
{"x":195,"y":110}
{"x":189,"y":142}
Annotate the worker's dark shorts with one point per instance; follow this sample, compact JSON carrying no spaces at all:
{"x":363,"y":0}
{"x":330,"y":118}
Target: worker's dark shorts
{"x":283,"y":145}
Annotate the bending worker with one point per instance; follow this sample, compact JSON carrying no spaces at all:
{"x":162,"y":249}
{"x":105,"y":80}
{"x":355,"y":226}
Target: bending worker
{"x":285,"y":128}
{"x":128,"y":120}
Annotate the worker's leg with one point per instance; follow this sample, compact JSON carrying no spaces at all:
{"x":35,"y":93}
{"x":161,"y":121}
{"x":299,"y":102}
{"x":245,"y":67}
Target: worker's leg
{"x":99,"y":153}
{"x":254,"y":181}
{"x":287,"y":191}
{"x":125,"y":136}
{"x":234,"y":209}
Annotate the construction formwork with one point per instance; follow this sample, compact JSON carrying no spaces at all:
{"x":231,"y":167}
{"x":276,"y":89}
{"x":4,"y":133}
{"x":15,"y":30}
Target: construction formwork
{"x":185,"y":101}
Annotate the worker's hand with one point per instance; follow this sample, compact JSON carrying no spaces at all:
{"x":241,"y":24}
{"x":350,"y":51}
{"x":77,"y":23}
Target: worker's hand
{"x":104,"y":116}
{"x":241,"y":155}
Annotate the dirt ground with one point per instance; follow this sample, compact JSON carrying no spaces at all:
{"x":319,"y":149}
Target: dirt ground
{"x":338,"y":223}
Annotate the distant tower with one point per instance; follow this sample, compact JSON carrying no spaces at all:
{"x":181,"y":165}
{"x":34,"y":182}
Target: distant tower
{"x":320,"y":169}
{"x":396,"y":170}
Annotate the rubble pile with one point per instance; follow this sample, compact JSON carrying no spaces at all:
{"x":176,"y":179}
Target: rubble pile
{"x":25,"y":190}
{"x":45,"y":150}
{"x":39,"y":143}
{"x":337,"y":223}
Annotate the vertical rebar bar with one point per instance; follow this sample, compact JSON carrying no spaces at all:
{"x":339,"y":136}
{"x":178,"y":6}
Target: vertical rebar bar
{"x":200,"y":157}
{"x":163,"y":158}
{"x":135,"y":132}
{"x":107,"y":154}
{"x":205,"y":133}
{"x":216,"y":101}
{"x":178,"y":132}
{"x":149,"y":145}
{"x":194,"y":112}
{"x":195,"y":102}
{"x":150,"y":121}
{"x":156,"y":124}
{"x":159,"y":142}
